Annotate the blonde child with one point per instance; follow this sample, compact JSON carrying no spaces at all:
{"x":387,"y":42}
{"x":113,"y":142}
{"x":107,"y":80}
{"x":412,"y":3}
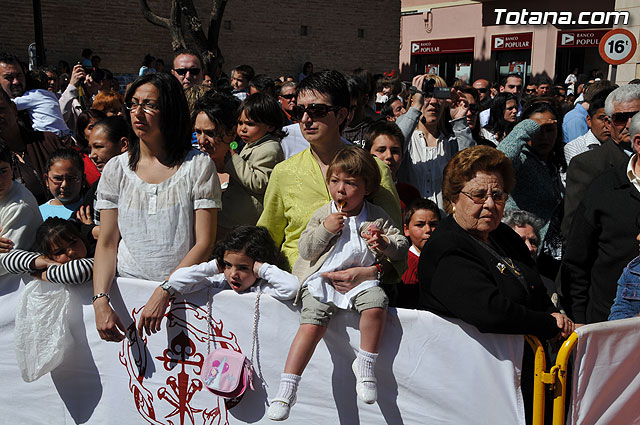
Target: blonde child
{"x":344,"y":233}
{"x":260,"y":128}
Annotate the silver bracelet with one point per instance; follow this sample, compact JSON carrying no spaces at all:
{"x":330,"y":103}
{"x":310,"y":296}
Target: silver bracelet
{"x":100,"y":295}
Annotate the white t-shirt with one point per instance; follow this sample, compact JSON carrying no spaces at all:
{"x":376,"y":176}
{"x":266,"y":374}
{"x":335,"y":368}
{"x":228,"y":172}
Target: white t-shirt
{"x":351,"y":250}
{"x":156,"y":221}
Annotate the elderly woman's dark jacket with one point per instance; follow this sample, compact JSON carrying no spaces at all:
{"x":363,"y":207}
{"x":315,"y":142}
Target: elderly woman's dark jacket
{"x":459,"y":278}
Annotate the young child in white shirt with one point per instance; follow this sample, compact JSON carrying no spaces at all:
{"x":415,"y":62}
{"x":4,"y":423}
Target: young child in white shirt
{"x":42,"y":105}
{"x":345,"y":233}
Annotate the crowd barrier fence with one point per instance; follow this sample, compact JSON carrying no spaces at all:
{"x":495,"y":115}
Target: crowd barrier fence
{"x":431,"y":370}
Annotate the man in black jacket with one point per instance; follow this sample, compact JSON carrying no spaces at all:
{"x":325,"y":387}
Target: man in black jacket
{"x":614,"y":153}
{"x":602,"y":239}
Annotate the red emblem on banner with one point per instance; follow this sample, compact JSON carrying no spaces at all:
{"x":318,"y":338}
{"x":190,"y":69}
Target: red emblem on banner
{"x":172,"y":402}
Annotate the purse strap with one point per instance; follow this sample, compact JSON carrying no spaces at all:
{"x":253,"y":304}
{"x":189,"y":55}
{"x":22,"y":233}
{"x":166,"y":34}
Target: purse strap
{"x":256,"y":315}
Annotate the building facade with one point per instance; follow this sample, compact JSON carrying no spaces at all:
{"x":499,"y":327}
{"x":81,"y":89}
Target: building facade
{"x":488,"y":39}
{"x":274,"y":37}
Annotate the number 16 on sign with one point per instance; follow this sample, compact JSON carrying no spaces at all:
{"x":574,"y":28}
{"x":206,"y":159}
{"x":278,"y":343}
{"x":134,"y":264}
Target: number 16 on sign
{"x":617,"y":47}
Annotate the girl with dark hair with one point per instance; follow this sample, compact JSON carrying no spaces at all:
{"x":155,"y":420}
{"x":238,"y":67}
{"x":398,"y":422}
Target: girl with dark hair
{"x":536,"y":149}
{"x":65,"y":180}
{"x":61,"y":257}
{"x":504,"y":111}
{"x":259,"y":125}
{"x":245,"y":260}
{"x":158,"y":203}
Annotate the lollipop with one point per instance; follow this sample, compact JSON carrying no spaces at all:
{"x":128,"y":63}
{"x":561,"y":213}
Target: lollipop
{"x":233,"y":145}
{"x":340,"y":206}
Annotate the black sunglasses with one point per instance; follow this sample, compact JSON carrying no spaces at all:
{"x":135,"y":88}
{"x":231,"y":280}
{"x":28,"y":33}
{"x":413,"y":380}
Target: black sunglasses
{"x":314,"y":110}
{"x":482,"y":89}
{"x":621,"y":118}
{"x":288,"y":96}
{"x":183,"y":71}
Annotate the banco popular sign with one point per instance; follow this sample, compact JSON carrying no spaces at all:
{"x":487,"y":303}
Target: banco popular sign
{"x":520,"y":41}
{"x":581,"y":38}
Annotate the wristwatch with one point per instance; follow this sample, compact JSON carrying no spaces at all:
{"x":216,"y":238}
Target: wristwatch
{"x":167,"y":287}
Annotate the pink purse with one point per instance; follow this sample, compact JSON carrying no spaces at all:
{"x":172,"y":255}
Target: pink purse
{"x":227,"y":373}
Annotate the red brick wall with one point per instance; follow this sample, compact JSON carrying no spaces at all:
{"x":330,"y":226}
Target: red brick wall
{"x":263,"y":34}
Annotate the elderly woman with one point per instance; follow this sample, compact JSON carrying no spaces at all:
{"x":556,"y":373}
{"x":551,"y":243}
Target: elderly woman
{"x":477,"y":269}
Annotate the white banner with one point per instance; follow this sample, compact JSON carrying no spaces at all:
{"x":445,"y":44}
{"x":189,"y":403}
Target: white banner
{"x":430,"y":370}
{"x":606,"y":374}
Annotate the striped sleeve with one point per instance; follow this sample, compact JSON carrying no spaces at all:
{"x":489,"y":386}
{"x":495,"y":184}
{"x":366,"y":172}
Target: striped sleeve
{"x":72,"y":273}
{"x":17,"y":261}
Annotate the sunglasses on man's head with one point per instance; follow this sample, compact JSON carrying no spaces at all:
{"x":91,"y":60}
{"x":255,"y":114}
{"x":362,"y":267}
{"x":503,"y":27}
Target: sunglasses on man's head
{"x":620,"y":119}
{"x":183,"y":71}
{"x":314,"y":110}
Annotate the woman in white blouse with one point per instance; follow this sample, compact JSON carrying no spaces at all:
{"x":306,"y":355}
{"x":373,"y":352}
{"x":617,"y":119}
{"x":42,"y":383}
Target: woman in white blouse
{"x":158,"y":202}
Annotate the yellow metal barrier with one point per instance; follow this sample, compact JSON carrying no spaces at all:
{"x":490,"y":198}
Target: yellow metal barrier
{"x":540,"y":365}
{"x":559,"y":374}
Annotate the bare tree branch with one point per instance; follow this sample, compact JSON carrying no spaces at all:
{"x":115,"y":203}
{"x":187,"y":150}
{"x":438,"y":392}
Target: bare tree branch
{"x":152,"y":17}
{"x":205,"y":44}
{"x":194,"y":25}
{"x":177,"y":38}
{"x":215,"y":21}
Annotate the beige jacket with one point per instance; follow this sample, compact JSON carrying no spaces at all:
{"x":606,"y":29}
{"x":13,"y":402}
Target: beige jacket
{"x":316,"y":242}
{"x":249,"y":173}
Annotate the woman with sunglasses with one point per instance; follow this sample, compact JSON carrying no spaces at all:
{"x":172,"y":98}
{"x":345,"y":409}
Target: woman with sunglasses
{"x":536,"y":149}
{"x":297,"y":185}
{"x":158,"y":203}
{"x":430,"y":138}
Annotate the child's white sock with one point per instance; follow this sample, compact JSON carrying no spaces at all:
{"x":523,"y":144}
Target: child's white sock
{"x":366,"y":363}
{"x":288,"y":387}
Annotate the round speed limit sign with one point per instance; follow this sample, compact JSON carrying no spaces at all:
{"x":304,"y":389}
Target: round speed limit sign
{"x":617,"y":46}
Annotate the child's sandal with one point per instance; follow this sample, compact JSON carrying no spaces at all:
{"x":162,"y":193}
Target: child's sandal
{"x":365,"y":392}
{"x":279,"y":409}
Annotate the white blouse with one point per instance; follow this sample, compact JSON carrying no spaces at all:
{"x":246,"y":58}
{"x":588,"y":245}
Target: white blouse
{"x":424,"y":165}
{"x":156,"y":221}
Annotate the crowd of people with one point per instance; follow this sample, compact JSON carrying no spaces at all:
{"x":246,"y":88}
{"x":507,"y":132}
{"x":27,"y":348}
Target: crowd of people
{"x":506,"y":205}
